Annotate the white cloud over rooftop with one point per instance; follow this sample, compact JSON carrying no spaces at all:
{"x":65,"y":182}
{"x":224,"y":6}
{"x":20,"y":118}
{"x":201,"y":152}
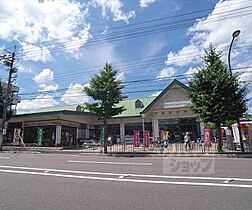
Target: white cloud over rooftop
{"x":74,"y":94}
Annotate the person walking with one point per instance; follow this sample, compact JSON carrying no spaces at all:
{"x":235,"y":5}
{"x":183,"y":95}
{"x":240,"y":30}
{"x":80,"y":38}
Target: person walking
{"x":187,"y":141}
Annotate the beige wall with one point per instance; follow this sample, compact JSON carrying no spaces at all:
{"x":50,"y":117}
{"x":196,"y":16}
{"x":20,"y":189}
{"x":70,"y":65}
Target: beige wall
{"x":176,"y":93}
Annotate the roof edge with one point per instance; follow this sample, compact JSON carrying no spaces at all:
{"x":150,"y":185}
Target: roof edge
{"x":174,"y":82}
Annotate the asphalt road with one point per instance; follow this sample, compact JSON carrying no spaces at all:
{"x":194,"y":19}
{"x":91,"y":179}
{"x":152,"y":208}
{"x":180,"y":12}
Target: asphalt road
{"x":58,"y":181}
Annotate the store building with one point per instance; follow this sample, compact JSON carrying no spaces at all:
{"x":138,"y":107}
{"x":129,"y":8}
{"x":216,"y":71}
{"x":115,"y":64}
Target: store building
{"x":62,"y":126}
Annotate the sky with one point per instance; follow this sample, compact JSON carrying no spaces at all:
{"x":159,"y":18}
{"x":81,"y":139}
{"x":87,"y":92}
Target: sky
{"x":59,"y":45}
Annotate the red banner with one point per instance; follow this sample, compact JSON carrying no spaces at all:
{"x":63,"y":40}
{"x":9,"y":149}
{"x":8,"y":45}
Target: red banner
{"x":146,"y":139}
{"x":207,"y":137}
{"x":136,"y":138}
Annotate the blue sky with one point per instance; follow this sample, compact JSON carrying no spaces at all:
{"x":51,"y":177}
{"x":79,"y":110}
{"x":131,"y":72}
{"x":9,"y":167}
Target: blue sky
{"x":61,"y":44}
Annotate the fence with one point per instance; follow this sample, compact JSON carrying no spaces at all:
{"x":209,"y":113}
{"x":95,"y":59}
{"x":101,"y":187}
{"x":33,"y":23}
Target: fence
{"x":153,"y":147}
{"x":170,"y":148}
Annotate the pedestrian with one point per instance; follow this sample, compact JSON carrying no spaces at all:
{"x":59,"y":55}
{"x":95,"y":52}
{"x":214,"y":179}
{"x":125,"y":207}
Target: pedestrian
{"x":187,"y":141}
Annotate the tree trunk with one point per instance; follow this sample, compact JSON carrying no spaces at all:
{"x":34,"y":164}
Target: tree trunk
{"x":105,"y":136}
{"x":219,"y":137}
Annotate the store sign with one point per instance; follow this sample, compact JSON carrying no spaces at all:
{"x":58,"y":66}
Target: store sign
{"x":136,"y":138}
{"x":16,"y":136}
{"x":40,"y":136}
{"x":207,"y":137}
{"x":146,"y":139}
{"x":176,"y":104}
{"x":51,"y":122}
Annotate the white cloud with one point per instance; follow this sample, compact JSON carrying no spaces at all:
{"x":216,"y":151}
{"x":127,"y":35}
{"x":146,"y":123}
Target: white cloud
{"x":42,"y":53}
{"x":45,"y":87}
{"x":120,"y":76}
{"x":39,"y":21}
{"x":184,"y":56}
{"x":102,"y":53}
{"x":246,"y":74}
{"x":217,"y":29}
{"x":166,"y":72}
{"x":75,"y":94}
{"x":44,"y":76}
{"x":191,"y":71}
{"x":114,"y":6}
{"x":145,"y":3}
{"x":24,"y":69}
{"x":29,"y":106}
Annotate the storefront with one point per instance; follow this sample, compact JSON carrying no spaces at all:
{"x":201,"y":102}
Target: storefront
{"x":177,"y":128}
{"x":59,"y":128}
{"x":168,"y":112}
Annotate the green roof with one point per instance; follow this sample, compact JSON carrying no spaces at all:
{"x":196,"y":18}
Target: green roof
{"x":57,"y":108}
{"x":129,"y":105}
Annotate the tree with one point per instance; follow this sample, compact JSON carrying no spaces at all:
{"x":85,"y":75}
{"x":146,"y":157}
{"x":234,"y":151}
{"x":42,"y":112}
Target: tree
{"x":217,"y":95}
{"x":106,"y":91}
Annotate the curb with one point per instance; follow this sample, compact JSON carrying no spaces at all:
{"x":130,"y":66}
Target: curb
{"x":131,"y":154}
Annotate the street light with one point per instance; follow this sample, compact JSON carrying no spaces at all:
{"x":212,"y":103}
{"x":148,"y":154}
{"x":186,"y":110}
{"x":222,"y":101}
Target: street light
{"x":234,"y":35}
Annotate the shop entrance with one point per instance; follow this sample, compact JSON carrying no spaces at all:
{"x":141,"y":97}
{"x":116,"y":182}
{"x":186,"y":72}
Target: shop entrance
{"x":178,"y":127}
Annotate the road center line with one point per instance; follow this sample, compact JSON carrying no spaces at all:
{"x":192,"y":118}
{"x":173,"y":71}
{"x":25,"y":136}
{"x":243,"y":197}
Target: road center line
{"x":110,"y":163}
{"x":129,"y":180}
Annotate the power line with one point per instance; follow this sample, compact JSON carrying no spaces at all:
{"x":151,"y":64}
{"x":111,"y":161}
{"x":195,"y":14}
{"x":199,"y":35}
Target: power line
{"x":147,"y":30}
{"x":180,"y":76}
{"x":148,"y":21}
{"x":130,"y":66}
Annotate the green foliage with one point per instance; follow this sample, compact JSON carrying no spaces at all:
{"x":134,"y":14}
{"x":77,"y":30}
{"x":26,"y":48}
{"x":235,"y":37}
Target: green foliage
{"x":107,"y":93}
{"x":216,"y":95}
{"x":209,"y":125}
{"x":229,"y":123}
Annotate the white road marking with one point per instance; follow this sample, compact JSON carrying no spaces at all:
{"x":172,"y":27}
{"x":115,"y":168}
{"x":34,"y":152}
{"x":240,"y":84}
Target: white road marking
{"x":129,"y":180}
{"x":131,"y":175}
{"x":110,"y":163}
{"x":5,"y":158}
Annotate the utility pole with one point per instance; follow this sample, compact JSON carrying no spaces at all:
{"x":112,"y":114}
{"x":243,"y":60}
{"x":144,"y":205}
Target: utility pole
{"x":9,"y":63}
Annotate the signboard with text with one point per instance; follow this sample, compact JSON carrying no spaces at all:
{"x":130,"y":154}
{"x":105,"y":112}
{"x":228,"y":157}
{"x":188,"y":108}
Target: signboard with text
{"x":40,"y":136}
{"x":16,"y":136}
{"x":136,"y":138}
{"x":207,"y":137}
{"x":146,"y":139}
{"x":176,"y":104}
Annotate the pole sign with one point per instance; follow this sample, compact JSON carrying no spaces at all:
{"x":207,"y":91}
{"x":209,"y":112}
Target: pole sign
{"x":40,"y":136}
{"x":16,"y":136}
{"x":136,"y":138}
{"x":207,"y":137}
{"x":146,"y":138}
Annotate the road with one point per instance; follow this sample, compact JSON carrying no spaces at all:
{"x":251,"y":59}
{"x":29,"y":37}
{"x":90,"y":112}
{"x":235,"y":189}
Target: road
{"x":61,"y":181}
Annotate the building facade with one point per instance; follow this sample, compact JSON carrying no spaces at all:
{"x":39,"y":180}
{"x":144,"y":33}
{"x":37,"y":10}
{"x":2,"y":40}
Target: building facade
{"x":63,"y":126}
